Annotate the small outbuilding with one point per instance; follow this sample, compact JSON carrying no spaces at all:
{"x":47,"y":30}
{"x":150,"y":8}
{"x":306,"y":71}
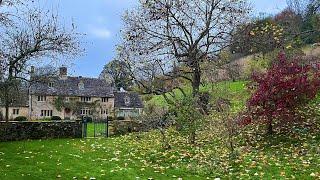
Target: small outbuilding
{"x":128,"y":105}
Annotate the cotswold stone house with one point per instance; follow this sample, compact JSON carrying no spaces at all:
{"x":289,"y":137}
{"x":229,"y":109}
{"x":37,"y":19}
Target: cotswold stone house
{"x":71,"y":97}
{"x":74,"y":97}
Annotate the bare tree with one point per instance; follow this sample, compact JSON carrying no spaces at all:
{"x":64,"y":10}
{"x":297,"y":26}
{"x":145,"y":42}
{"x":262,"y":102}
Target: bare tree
{"x":5,"y":16}
{"x":36,"y":38}
{"x":167,"y":34}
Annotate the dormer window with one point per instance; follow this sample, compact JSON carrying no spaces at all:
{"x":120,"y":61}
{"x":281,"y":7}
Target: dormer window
{"x":127,"y":100}
{"x":50,"y":84}
{"x":81,"y":85}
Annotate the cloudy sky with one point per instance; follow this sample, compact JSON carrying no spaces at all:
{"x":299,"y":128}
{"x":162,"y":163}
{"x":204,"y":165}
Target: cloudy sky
{"x":100,"y":20}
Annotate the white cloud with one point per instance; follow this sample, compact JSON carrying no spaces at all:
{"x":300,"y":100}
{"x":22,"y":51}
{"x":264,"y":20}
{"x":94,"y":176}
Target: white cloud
{"x":102,"y":33}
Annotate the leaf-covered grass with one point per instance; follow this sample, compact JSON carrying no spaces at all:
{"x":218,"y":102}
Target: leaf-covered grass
{"x":141,"y":156}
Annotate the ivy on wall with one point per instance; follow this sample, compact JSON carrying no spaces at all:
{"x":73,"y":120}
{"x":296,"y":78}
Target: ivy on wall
{"x":75,"y":106}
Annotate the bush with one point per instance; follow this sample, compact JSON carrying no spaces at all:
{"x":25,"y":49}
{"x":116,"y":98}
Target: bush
{"x":56,"y":118}
{"x":287,"y":85}
{"x":21,"y":118}
{"x":121,"y":118}
{"x":188,"y":116}
{"x":88,"y":119}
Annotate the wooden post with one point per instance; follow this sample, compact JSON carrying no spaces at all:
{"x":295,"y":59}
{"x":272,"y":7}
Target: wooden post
{"x":107,"y":130}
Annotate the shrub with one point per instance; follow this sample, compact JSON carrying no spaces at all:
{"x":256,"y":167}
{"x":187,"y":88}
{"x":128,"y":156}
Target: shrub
{"x":89,"y":119}
{"x":21,"y":118}
{"x":284,"y":87}
{"x":188,"y":116}
{"x":56,"y":118}
{"x":121,"y":118}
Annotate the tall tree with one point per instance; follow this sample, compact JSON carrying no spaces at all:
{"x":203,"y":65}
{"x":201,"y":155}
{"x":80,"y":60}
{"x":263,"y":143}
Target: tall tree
{"x":169,"y":34}
{"x":34,"y":38}
{"x":119,"y":73}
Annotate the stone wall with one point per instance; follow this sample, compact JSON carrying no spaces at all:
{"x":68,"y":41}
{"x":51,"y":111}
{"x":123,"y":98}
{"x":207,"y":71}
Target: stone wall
{"x":15,"y":131}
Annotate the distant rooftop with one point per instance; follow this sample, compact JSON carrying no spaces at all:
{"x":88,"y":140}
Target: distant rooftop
{"x":127,"y":100}
{"x":64,"y":85}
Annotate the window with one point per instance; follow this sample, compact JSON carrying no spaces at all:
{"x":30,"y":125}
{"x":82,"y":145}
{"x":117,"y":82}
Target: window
{"x":104,"y":99}
{"x":46,"y":113}
{"x":42,"y":98}
{"x":85,"y":111}
{"x":81,"y":86}
{"x":127,"y":100}
{"x":50,"y":84}
{"x":104,"y":111}
{"x":66,"y":99}
{"x":85,"y":99}
{"x":16,"y":111}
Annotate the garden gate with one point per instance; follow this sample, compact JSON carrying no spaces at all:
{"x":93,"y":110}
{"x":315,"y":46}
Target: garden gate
{"x":95,"y":127}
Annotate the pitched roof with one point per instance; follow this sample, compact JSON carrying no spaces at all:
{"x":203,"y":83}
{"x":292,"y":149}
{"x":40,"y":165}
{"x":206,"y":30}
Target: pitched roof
{"x":20,"y":100}
{"x":93,"y":87}
{"x":127,"y":100}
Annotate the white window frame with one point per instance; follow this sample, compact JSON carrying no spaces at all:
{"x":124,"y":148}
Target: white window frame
{"x":85,"y":99}
{"x":104,"y":111}
{"x":104,"y":99}
{"x":16,"y":111}
{"x":51,"y":84}
{"x":46,"y":113}
{"x":42,"y":98}
{"x":85,"y":111}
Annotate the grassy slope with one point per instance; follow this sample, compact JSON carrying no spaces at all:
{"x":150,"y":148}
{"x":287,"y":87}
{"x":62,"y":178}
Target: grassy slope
{"x":235,"y":91}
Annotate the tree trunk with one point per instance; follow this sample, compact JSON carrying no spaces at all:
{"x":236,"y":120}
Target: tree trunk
{"x":192,"y":137}
{"x":165,"y":143}
{"x":7,"y":113}
{"x":8,"y":97}
{"x":195,"y":92}
{"x":196,"y":80}
{"x":270,"y":128}
{"x":6,"y":102}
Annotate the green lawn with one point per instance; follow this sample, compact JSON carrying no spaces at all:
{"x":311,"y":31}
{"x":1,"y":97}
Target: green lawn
{"x":141,"y":156}
{"x":234,"y":91}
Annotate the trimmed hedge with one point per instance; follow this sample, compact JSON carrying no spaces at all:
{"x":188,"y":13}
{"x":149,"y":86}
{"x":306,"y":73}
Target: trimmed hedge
{"x":21,"y":118}
{"x":56,"y":118}
{"x":121,"y":118}
{"x":15,"y":131}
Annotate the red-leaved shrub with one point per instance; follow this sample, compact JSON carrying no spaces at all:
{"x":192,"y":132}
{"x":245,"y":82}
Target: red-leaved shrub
{"x":287,"y":85}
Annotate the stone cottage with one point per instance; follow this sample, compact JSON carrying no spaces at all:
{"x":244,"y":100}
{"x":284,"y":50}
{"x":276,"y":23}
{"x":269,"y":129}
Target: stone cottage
{"x":74,"y":97}
{"x":71,"y":97}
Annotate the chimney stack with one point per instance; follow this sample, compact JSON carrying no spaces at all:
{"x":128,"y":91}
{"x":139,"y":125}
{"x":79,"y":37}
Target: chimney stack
{"x":32,"y":72}
{"x":63,"y":73}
